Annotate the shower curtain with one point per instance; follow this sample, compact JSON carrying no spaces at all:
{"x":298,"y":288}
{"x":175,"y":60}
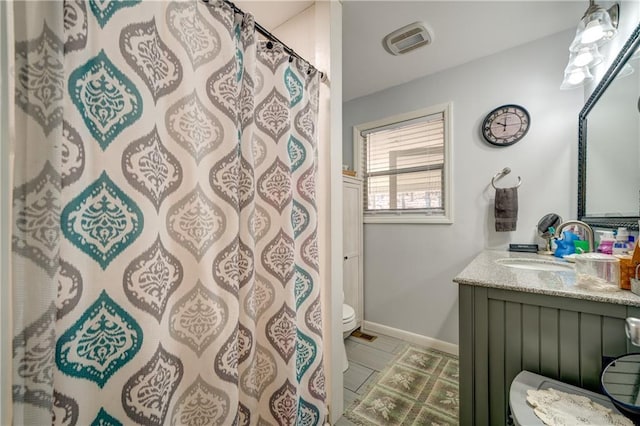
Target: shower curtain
{"x":165,"y":258}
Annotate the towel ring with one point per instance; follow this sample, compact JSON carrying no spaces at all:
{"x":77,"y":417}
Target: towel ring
{"x":503,"y":173}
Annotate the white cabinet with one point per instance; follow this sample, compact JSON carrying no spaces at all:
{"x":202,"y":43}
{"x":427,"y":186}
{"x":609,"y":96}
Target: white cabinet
{"x":352,"y":244}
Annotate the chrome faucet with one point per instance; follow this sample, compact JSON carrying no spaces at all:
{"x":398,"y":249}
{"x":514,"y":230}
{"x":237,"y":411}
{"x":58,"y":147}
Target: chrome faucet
{"x":587,"y":230}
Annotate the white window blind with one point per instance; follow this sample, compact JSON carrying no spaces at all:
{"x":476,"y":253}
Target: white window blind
{"x":404,"y":167}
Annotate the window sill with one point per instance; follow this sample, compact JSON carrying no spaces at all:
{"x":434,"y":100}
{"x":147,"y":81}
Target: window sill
{"x":408,"y":219}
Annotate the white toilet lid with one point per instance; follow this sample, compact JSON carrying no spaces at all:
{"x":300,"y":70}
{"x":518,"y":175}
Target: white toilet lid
{"x":348,"y":313}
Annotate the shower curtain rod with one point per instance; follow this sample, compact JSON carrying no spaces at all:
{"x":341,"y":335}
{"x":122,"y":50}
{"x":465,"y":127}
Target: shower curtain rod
{"x":262,"y":30}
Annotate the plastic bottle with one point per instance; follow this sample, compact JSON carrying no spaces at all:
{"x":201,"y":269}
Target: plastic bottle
{"x":606,"y":242}
{"x":565,"y":245}
{"x":622,"y":234}
{"x":621,"y":245}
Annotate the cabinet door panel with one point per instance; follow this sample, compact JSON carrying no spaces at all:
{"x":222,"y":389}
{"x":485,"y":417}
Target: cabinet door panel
{"x":352,"y":219}
{"x":496,"y":360}
{"x":350,"y":278}
{"x":352,"y":245}
{"x":569,"y":351}
{"x":503,"y":332}
{"x":549,"y":351}
{"x":531,"y":338}
{"x":590,"y":351}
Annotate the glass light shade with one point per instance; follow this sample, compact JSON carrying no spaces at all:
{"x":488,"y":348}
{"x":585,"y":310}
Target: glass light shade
{"x":575,"y":77}
{"x":588,"y":56}
{"x":594,"y":27}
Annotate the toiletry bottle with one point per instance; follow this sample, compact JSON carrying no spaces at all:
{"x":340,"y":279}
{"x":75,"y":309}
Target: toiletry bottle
{"x":566,"y":244}
{"x":621,"y":244}
{"x":622,"y":233}
{"x":606,"y":242}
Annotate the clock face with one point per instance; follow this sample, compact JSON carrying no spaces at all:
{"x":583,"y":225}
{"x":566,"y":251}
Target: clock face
{"x":506,"y":125}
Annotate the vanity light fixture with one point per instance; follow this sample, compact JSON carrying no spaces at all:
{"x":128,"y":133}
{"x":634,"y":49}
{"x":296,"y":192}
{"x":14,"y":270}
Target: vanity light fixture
{"x":588,"y":56}
{"x":597,"y":26}
{"x":575,"y":77}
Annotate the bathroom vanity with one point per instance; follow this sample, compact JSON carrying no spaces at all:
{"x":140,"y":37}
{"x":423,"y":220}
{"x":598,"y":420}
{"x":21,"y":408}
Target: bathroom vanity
{"x":521,"y":311}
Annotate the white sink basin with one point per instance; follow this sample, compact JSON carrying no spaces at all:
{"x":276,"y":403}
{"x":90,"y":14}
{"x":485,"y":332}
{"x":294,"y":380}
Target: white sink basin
{"x":535,"y":264}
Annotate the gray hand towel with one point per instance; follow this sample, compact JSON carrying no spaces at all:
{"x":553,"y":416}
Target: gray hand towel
{"x":506,"y":209}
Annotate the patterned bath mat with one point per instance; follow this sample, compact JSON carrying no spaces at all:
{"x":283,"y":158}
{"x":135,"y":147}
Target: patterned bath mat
{"x":420,"y":387}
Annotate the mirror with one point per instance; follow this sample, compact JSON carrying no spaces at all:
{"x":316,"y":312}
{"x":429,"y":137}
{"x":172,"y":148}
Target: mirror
{"x":609,"y":145}
{"x":550,"y":220}
{"x":620,"y":381}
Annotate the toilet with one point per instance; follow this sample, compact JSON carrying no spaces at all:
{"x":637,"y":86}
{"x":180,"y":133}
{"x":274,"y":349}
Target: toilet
{"x":522,"y":413}
{"x":349,"y":324}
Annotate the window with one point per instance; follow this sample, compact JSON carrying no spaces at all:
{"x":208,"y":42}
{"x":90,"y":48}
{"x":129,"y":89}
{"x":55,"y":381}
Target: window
{"x":405,"y":164}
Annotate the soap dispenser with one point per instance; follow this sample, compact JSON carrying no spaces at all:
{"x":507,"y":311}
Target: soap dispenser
{"x":606,"y":242}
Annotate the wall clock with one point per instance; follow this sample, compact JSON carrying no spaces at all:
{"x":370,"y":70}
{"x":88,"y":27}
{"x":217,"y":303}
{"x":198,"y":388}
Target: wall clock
{"x":506,"y":125}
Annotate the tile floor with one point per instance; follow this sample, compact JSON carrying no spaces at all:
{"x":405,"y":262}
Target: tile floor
{"x":366,"y":360}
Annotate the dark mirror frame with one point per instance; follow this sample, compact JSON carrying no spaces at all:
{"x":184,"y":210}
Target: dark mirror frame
{"x":631,"y":222}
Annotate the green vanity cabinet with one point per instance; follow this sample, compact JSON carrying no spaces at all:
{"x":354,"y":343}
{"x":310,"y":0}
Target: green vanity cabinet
{"x":503,"y":332}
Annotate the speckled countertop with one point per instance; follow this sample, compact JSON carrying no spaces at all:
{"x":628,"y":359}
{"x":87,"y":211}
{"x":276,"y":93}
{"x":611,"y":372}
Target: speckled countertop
{"x":485,"y":271}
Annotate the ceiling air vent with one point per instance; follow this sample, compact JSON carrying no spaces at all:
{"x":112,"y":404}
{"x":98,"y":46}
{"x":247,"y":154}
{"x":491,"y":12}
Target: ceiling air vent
{"x":407,"y":38}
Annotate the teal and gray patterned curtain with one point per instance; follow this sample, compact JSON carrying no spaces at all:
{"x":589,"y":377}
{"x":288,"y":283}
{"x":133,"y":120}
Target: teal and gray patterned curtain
{"x":165,"y":258}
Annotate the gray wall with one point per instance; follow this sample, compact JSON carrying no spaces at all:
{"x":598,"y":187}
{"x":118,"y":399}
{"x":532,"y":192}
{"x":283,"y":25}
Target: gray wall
{"x":409,"y":268}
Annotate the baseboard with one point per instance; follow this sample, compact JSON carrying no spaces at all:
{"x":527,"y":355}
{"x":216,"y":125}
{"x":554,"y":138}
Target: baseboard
{"x":418,"y":339}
